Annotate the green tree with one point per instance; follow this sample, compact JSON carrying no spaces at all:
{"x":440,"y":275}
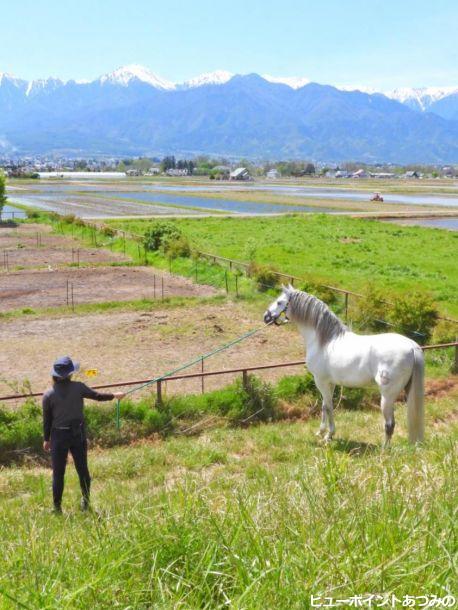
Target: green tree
{"x":3,"y":198}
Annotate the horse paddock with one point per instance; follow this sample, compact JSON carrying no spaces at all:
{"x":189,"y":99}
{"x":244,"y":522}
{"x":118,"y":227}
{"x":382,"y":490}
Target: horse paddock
{"x":125,"y":345}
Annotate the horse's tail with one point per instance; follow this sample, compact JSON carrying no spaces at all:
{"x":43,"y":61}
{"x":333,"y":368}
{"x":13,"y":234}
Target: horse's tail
{"x":415,"y":398}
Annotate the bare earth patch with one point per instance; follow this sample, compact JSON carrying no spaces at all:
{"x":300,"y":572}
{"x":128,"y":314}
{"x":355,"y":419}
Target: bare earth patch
{"x":35,"y":245}
{"x":141,"y":345}
{"x":40,"y":289}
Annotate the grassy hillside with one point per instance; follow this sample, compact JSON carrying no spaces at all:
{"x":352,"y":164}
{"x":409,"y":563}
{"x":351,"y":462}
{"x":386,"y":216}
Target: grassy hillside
{"x":343,"y":251}
{"x":254,"y":519}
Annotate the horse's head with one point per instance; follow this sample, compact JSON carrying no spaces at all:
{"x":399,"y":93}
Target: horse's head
{"x":279,"y":307}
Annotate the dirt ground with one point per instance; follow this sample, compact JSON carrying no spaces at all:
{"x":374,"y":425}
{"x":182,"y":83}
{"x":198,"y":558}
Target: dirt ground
{"x":40,"y":289}
{"x":34,"y":245}
{"x":139,"y":345}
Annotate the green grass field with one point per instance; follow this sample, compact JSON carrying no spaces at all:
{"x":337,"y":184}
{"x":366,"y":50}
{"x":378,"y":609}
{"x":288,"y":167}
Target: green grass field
{"x":254,"y":518}
{"x":342,"y":251}
{"x":257,"y":518}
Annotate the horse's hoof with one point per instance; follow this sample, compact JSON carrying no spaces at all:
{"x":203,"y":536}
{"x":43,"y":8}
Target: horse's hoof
{"x":328,"y":438}
{"x":320,"y":432}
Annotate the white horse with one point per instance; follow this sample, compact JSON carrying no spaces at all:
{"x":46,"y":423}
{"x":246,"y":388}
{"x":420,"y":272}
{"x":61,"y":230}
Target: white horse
{"x":337,"y":356}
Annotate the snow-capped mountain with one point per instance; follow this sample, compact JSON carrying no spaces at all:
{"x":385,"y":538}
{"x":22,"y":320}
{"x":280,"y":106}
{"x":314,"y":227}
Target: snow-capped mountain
{"x":421,"y":98}
{"x":9,"y":79}
{"x":134,"y":72}
{"x":369,"y":90}
{"x":295,"y":82}
{"x":219,"y":77}
{"x":134,"y":111}
{"x":43,"y":84}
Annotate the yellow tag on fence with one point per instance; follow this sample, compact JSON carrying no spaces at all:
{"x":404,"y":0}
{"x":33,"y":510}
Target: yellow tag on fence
{"x":91,"y":372}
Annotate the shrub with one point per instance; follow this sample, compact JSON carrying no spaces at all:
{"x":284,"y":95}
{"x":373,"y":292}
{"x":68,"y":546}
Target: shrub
{"x":108,"y":231}
{"x":32,"y":214}
{"x":257,"y":402}
{"x":68,"y":218}
{"x":265,"y":277}
{"x":295,"y":386}
{"x":370,"y":311}
{"x":445,"y":332}
{"x":415,"y":315}
{"x":159,"y":235}
{"x":323,"y":293}
{"x":178,"y":247}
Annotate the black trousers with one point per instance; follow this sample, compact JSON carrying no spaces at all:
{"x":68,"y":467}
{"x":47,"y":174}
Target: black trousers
{"x":63,"y":441}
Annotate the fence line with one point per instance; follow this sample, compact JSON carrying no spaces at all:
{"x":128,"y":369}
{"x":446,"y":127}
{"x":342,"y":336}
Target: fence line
{"x":241,"y":264}
{"x":294,"y":278}
{"x":202,"y":374}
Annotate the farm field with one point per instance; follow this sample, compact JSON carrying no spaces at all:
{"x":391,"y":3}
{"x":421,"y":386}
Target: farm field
{"x":143,"y":197}
{"x":343,"y":252}
{"x":252,"y":518}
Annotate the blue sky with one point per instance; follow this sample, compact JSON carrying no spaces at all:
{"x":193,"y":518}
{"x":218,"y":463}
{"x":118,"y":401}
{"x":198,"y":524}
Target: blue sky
{"x":383,"y":44}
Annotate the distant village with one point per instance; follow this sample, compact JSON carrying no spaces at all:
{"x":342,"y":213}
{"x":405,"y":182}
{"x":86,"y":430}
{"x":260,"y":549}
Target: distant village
{"x":213,"y":168}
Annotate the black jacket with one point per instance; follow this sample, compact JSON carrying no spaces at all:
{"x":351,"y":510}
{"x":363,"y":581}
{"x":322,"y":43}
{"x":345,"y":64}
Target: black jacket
{"x":63,"y":405}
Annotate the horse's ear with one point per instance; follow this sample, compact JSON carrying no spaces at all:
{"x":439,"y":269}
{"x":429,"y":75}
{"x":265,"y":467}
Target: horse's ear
{"x":290,"y":287}
{"x":284,"y":288}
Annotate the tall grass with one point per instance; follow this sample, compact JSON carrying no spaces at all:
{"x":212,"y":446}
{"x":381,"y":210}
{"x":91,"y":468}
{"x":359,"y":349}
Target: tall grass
{"x":235,"y":404}
{"x":254,"y":519}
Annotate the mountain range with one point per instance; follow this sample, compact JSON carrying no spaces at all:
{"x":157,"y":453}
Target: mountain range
{"x":132,"y":111}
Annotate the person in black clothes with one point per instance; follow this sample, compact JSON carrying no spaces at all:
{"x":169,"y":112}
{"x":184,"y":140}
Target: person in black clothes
{"x":64,"y":429}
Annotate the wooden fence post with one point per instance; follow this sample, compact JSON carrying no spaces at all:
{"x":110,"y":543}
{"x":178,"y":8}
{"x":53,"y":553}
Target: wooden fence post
{"x":159,"y":392}
{"x":245,"y":379}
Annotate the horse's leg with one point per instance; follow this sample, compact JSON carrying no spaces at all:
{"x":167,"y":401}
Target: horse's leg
{"x":327,"y":390}
{"x":322,"y":428}
{"x":387,"y":406}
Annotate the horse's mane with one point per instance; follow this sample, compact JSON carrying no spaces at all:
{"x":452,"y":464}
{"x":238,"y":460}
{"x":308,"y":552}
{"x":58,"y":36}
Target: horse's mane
{"x":304,"y":307}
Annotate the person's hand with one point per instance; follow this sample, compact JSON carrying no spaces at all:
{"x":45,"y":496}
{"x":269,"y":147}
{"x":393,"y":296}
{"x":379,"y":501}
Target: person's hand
{"x":119,"y":395}
{"x":47,"y":446}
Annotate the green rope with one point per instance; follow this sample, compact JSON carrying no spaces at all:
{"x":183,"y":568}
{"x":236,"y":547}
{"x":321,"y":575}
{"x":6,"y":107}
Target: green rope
{"x":186,"y":366}
{"x":118,"y":413}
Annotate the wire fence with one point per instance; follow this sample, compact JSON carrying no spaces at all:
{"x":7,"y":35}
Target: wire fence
{"x":235,"y":276}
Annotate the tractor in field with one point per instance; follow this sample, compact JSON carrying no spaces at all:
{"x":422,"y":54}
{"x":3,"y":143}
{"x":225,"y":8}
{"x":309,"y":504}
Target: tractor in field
{"x":377,"y":197}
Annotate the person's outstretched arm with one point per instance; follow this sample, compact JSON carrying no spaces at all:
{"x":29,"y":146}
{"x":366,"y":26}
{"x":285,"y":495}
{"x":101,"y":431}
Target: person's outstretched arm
{"x":100,"y":396}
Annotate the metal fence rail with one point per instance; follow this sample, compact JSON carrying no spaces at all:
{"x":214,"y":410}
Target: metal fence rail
{"x":203,"y":374}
